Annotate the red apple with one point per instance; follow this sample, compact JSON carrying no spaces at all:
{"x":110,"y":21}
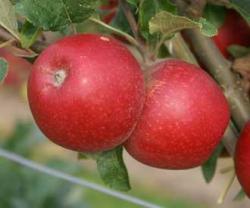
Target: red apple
{"x":242,"y":159}
{"x":18,"y":71}
{"x":184,"y":117}
{"x":86,"y":92}
{"x":235,"y":30}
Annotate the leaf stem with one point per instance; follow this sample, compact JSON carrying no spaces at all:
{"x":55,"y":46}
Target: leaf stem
{"x":134,"y":27}
{"x":129,"y":38}
{"x":130,"y":17}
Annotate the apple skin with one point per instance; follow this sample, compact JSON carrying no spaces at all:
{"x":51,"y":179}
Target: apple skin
{"x":235,"y":30}
{"x":19,"y":69}
{"x":242,"y":159}
{"x":95,"y":107}
{"x":184,"y":117}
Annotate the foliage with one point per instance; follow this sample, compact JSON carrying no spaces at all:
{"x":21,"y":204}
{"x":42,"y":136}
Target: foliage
{"x":24,"y":188}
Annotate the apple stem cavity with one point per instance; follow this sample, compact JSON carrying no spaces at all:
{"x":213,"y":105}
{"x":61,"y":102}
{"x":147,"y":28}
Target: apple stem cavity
{"x":59,"y":77}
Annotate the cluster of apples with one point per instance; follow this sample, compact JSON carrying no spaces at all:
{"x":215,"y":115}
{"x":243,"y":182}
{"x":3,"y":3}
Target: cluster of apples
{"x":88,"y":93}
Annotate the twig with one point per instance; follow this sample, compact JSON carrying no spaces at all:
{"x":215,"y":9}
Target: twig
{"x":134,"y":27}
{"x":7,"y":43}
{"x":55,"y":173}
{"x":4,"y":35}
{"x":130,"y":17}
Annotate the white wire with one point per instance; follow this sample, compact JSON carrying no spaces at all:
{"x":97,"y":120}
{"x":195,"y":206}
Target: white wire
{"x":55,"y":173}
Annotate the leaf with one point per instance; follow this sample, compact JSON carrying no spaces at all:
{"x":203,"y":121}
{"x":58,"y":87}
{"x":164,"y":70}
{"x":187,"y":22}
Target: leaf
{"x":238,"y":51}
{"x":148,"y":9}
{"x":207,"y":28}
{"x":112,"y":169}
{"x":54,"y":15}
{"x":215,"y":14}
{"x":209,"y":167}
{"x":3,"y":69}
{"x":168,"y":24}
{"x":29,"y":34}
{"x":240,"y":195}
{"x":22,"y":139}
{"x":243,"y":7}
{"x":133,"y":2}
{"x":120,"y":21}
{"x":8,"y":18}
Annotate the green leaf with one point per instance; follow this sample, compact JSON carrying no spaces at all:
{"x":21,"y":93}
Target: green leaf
{"x":29,"y":34}
{"x":3,"y":69}
{"x":240,"y":195}
{"x":243,"y":7}
{"x":209,"y":167}
{"x":148,"y":9}
{"x":120,"y":21}
{"x":8,"y":18}
{"x":238,"y":51}
{"x":215,"y":14}
{"x":54,"y":15}
{"x":168,"y":24}
{"x":207,"y":28}
{"x":133,"y":2}
{"x":112,"y":169}
{"x":22,"y":139}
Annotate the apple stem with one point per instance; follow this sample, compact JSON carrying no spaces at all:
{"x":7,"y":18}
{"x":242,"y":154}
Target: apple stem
{"x":225,"y":191}
{"x":59,"y":77}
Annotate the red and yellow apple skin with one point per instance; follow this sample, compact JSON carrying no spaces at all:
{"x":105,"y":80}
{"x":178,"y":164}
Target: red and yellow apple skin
{"x":235,"y":30}
{"x":18,"y":69}
{"x":242,"y":159}
{"x":86,"y":92}
{"x":184,"y":117}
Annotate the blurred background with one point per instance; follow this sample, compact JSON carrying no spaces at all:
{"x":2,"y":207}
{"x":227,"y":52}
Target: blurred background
{"x":21,"y":187}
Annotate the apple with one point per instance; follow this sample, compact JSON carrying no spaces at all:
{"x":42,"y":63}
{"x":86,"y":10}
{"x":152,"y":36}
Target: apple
{"x":235,"y":30}
{"x":184,"y":117}
{"x":242,"y":159}
{"x":19,"y":69}
{"x":86,"y":92}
